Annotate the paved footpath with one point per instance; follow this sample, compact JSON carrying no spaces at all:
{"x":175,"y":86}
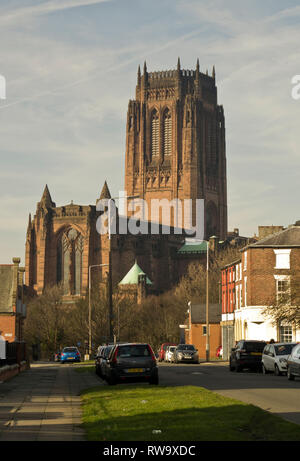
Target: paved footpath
{"x":43,"y":403}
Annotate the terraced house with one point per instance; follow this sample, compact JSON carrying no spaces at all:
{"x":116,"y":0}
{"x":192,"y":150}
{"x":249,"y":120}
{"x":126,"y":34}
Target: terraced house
{"x":266,"y":275}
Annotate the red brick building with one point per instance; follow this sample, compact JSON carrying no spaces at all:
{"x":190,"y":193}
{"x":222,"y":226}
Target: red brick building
{"x":197,"y":330}
{"x":267,"y":270}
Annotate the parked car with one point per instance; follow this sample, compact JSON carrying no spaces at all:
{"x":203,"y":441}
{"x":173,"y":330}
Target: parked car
{"x":293,"y":363}
{"x":131,"y":362}
{"x":98,"y":358}
{"x":101,"y":361}
{"x":186,"y":353}
{"x":274,"y":357}
{"x":169,"y":354}
{"x":70,"y":354}
{"x":246,"y":354}
{"x":162,"y":350}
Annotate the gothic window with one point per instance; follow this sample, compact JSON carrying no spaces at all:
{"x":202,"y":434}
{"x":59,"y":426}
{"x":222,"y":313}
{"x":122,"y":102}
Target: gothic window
{"x":167,"y":133}
{"x":154,"y":134}
{"x":69,"y":261}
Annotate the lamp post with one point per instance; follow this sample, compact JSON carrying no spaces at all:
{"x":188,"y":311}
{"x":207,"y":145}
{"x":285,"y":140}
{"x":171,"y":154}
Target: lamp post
{"x":207,"y":300}
{"x":207,"y":304}
{"x":90,"y":306}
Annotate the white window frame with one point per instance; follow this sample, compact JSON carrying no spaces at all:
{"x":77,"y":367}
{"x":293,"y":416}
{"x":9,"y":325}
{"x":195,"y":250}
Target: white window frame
{"x":282,"y":259}
{"x":245,"y":291}
{"x":283,"y":278}
{"x":245,"y":260}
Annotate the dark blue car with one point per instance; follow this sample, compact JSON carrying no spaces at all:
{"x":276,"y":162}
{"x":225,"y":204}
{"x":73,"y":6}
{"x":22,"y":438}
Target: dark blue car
{"x":70,"y":354}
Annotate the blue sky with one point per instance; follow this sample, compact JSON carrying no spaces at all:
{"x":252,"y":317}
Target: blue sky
{"x":70,"y":68}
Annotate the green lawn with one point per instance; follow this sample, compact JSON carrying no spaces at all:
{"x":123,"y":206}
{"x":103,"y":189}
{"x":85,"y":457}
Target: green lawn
{"x":185,"y":413}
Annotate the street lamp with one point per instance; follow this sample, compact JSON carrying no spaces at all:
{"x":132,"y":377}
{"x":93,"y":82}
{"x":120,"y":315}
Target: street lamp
{"x":207,"y":302}
{"x":90,"y":307}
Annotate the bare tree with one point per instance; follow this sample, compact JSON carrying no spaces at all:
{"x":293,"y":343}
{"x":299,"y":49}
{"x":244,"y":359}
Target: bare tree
{"x":46,"y":320}
{"x":284,"y":307}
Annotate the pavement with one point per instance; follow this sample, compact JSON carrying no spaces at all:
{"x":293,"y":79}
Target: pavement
{"x":43,"y":403}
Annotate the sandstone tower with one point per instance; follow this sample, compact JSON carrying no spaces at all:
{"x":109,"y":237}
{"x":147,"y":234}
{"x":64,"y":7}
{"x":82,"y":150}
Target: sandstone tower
{"x":175,"y":143}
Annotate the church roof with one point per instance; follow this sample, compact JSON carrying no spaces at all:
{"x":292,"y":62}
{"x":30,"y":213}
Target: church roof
{"x":132,"y":277}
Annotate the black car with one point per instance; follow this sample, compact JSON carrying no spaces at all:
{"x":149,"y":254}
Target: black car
{"x":131,"y":363}
{"x":101,"y":359}
{"x":247,"y":354}
{"x":293,"y":363}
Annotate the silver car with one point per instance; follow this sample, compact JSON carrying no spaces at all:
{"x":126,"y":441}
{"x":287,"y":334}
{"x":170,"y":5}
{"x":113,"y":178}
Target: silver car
{"x":169,"y":354}
{"x":274,"y":358}
{"x":186,"y":353}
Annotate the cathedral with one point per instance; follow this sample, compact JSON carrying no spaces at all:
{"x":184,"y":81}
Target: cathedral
{"x":175,"y":149}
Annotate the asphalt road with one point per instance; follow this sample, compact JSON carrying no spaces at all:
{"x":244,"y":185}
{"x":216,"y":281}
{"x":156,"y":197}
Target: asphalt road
{"x":272,"y":393}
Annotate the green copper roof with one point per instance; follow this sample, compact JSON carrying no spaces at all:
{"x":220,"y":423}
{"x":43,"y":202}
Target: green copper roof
{"x":132,"y":277}
{"x":193,"y":248}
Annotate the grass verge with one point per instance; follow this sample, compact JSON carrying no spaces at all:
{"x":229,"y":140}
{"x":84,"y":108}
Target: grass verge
{"x":183,"y":413}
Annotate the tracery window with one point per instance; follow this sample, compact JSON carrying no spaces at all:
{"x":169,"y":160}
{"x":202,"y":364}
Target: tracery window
{"x":167,"y":133}
{"x":69,"y":261}
{"x":154,"y":134}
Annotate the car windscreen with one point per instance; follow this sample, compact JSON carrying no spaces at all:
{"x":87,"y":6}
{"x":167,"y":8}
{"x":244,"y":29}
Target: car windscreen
{"x":70,"y":349}
{"x":254,"y":347}
{"x":185,"y":347}
{"x":133,"y":351}
{"x":284,"y":349}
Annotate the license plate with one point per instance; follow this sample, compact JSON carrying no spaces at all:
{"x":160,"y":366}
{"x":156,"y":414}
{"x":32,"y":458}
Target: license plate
{"x":135,"y":370}
{"x":71,"y":358}
{"x":256,"y":353}
{"x":187,"y":357}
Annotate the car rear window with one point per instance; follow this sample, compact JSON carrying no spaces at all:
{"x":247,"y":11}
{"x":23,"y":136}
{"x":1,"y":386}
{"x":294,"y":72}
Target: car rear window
{"x":134,"y":351}
{"x":70,"y":349}
{"x":254,"y":347}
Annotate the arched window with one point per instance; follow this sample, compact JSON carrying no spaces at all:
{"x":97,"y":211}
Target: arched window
{"x":154,"y":133}
{"x":69,"y":261}
{"x":167,"y":133}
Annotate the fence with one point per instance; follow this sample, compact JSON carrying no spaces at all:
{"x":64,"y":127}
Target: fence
{"x":15,"y":353}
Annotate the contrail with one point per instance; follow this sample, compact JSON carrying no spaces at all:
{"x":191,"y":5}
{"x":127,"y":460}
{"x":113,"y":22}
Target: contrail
{"x":109,"y":69}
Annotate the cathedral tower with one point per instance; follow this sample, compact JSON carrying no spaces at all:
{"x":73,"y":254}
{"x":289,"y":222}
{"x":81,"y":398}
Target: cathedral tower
{"x":175,"y":143}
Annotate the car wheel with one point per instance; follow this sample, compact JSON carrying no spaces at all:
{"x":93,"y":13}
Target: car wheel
{"x":154,"y":381}
{"x":231,"y":367}
{"x":290,"y":376}
{"x":264,"y":370}
{"x":238,"y":368}
{"x":277,"y":371}
{"x":111,"y":381}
